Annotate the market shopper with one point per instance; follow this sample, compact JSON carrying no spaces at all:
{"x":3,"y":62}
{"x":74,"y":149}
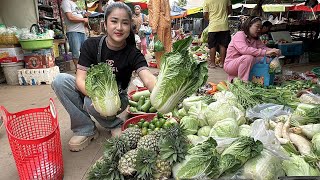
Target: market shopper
{"x":118,"y":49}
{"x":246,"y":49}
{"x":217,"y":11}
{"x":160,"y":23}
{"x":141,"y":20}
{"x":75,"y":24}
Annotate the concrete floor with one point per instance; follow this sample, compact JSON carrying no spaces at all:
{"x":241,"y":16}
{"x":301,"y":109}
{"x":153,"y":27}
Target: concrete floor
{"x":76,"y":164}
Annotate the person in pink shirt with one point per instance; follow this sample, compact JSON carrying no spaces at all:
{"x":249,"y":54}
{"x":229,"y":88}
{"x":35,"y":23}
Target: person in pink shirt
{"x":246,"y":49}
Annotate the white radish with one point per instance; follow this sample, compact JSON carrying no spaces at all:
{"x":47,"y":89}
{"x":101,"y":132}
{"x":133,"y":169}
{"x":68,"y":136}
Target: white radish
{"x":303,"y":145}
{"x":278,"y":130}
{"x":278,"y":133}
{"x":285,"y":130}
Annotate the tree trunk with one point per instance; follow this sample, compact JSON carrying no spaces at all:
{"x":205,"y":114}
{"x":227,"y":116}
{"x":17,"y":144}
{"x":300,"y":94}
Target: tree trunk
{"x":257,"y":10}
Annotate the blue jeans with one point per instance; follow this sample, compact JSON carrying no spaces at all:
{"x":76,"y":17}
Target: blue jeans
{"x":80,"y":107}
{"x":75,"y":40}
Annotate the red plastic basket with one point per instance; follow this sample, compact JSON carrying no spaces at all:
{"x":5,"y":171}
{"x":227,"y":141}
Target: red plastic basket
{"x":34,"y":139}
{"x":136,"y":119}
{"x":132,"y":92}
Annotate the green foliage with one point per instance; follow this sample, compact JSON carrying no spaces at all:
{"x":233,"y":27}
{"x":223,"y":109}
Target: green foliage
{"x":146,"y":163}
{"x":105,"y":169}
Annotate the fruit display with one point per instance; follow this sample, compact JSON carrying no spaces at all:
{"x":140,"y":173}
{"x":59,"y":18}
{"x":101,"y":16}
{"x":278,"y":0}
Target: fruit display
{"x":133,"y":156}
{"x":157,"y":123}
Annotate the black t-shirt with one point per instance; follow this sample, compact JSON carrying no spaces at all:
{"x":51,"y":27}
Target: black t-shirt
{"x":123,"y":62}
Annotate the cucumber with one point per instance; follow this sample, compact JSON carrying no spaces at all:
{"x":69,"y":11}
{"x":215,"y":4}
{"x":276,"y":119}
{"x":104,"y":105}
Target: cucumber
{"x":133,"y":103}
{"x":136,"y":96}
{"x":141,"y":102}
{"x":133,"y":109}
{"x":152,"y":110}
{"x":146,"y":106}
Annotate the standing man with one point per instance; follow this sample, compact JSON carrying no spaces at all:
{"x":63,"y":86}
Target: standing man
{"x":160,"y":22}
{"x":75,"y":23}
{"x":217,"y":11}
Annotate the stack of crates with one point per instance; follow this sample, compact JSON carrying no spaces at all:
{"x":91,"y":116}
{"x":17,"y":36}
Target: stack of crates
{"x":40,"y":67}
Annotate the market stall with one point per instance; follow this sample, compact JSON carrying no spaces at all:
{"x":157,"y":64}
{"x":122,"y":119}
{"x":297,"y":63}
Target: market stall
{"x":226,"y":130}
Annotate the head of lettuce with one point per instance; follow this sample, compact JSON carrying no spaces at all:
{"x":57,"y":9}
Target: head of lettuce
{"x":102,"y":88}
{"x":180,"y":76}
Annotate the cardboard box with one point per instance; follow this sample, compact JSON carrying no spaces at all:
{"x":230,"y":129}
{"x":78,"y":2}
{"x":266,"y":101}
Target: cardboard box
{"x":39,"y":59}
{"x":13,"y":54}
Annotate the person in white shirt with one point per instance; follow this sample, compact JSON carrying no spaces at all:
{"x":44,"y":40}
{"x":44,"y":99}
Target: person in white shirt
{"x":75,"y":23}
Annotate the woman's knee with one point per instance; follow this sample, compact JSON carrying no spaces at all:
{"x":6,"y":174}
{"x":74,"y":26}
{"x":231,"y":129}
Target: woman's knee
{"x":62,"y":80}
{"x":249,"y":59}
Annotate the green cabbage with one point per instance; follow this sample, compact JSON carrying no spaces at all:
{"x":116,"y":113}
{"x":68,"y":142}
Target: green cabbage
{"x":225,"y":128}
{"x":101,"y":86}
{"x":198,"y":111}
{"x":190,"y":124}
{"x":245,"y":130}
{"x":180,"y":76}
{"x":297,"y":166}
{"x":264,"y":166}
{"x":195,"y":139}
{"x":218,"y":111}
{"x":194,"y":100}
{"x":204,"y":131}
{"x":316,"y":144}
{"x":306,"y":114}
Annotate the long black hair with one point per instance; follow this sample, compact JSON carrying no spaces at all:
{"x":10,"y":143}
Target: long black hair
{"x":130,"y":39}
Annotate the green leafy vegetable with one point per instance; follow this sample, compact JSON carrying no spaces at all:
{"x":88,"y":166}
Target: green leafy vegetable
{"x":239,"y":152}
{"x":225,"y":128}
{"x":180,"y":76}
{"x":297,"y":166}
{"x":204,"y":131}
{"x":316,"y":144}
{"x":190,"y":124}
{"x":264,"y":166}
{"x":102,"y":88}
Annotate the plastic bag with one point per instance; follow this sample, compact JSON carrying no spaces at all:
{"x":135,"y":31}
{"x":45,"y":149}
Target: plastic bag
{"x":261,"y":132}
{"x":158,"y":46}
{"x":267,"y":111}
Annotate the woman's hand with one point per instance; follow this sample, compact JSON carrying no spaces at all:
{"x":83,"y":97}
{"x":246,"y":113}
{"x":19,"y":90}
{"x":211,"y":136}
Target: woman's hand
{"x":273,"y":52}
{"x":148,"y":79}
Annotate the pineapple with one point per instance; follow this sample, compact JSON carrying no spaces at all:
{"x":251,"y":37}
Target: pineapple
{"x":105,"y":168}
{"x":115,"y":148}
{"x":127,"y":163}
{"x":149,"y":142}
{"x":132,"y":135}
{"x":163,"y":170}
{"x":146,"y":164}
{"x":174,"y":145}
{"x":158,"y":133}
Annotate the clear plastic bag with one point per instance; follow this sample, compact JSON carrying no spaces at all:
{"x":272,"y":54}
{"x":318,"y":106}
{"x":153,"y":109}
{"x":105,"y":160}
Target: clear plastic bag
{"x":267,"y":111}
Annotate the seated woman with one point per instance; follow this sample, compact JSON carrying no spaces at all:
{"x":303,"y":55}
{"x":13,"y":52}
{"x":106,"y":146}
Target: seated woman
{"x":246,"y":49}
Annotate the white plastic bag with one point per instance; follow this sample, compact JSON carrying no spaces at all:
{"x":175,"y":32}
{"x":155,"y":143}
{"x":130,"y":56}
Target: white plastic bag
{"x":267,"y":111}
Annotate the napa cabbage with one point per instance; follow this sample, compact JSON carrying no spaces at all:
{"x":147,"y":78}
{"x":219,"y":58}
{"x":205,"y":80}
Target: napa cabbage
{"x":101,"y":86}
{"x":180,"y":76}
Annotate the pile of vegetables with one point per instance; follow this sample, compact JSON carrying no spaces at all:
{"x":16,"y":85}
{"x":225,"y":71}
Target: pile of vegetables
{"x":101,"y":86}
{"x":205,"y":160}
{"x":180,"y":76}
{"x":141,"y":103}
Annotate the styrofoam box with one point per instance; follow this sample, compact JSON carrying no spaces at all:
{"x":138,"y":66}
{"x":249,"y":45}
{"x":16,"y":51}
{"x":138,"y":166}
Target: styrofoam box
{"x":37,"y":76}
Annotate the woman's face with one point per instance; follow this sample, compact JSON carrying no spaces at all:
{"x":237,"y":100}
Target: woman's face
{"x":255,"y":29}
{"x":118,"y":26}
{"x":137,"y":11}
